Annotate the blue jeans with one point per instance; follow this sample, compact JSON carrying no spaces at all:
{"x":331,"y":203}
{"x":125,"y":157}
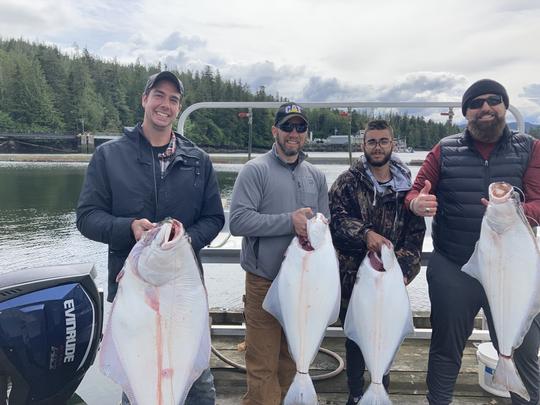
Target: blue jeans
{"x":202,"y":391}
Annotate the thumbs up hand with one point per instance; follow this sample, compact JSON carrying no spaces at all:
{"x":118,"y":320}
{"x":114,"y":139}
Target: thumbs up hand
{"x":425,"y":204}
{"x":427,"y":188}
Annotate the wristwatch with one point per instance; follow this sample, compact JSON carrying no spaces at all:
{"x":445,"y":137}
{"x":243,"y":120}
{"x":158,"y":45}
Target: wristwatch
{"x":364,"y":233}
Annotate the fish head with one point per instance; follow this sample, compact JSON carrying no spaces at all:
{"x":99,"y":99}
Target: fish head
{"x":317,"y":230}
{"x":375,"y":261}
{"x":502,"y":207}
{"x":157,"y":256}
{"x":500,"y":192}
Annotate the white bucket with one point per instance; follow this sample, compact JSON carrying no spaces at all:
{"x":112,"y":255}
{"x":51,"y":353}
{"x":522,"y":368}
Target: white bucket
{"x":487,"y":361}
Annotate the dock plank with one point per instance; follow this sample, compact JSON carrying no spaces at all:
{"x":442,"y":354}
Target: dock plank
{"x":408,"y":375}
{"x":412,"y":355}
{"x":340,"y":399}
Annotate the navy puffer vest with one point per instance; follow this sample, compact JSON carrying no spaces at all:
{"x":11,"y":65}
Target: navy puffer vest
{"x":464,"y":179}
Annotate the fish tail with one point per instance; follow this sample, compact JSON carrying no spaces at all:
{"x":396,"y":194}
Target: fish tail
{"x":506,"y":375}
{"x":301,"y":391}
{"x":375,"y":395}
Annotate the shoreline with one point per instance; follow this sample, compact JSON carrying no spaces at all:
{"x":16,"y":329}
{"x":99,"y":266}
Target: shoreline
{"x":217,"y":158}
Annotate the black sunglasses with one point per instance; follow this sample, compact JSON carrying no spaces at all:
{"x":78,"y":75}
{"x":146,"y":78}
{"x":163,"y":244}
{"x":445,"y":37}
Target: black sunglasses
{"x":289,"y":126}
{"x":479,"y":102}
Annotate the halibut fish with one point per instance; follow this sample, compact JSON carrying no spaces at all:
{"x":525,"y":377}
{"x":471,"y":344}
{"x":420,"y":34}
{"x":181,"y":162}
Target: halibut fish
{"x":157,"y":339}
{"x":305,"y":299}
{"x":378,"y":318}
{"x":506,"y":261}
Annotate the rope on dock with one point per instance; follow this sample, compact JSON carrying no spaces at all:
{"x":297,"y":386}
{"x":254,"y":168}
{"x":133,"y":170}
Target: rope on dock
{"x":339,"y":368}
{"x":318,"y":377}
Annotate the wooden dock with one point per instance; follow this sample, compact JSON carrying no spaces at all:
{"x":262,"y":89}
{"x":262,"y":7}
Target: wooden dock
{"x":407,"y":386}
{"x":408,"y":375}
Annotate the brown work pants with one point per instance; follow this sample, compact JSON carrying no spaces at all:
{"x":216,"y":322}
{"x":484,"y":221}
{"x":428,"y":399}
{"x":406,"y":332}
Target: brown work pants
{"x":270,"y":368}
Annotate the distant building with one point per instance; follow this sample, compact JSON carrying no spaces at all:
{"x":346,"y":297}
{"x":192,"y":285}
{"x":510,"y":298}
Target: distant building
{"x":344,"y":139}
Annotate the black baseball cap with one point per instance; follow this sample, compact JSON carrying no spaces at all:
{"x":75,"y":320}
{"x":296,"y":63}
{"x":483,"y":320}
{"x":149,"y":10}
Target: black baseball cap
{"x":164,"y":75}
{"x":287,"y":111}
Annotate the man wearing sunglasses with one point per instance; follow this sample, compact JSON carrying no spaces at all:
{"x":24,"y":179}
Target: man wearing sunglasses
{"x":452,"y":186}
{"x":366,"y":204}
{"x":272,"y":199}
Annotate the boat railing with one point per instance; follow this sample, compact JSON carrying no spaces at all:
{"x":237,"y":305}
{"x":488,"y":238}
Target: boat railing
{"x":217,"y":253}
{"x":335,"y":104}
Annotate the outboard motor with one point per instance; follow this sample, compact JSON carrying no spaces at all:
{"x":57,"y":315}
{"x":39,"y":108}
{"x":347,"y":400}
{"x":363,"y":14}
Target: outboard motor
{"x":50,"y":328}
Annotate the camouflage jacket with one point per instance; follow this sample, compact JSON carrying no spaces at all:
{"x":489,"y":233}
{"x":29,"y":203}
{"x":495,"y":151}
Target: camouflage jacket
{"x":355,"y":206}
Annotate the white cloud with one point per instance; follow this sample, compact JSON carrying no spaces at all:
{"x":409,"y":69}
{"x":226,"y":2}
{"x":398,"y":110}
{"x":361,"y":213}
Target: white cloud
{"x":308,"y":49}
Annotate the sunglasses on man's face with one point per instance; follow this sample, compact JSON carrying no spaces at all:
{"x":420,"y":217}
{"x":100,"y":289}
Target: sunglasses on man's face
{"x":289,"y":126}
{"x":479,"y":102}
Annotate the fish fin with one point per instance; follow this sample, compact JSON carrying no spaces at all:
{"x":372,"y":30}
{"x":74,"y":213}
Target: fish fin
{"x":271,"y":303}
{"x":375,"y":395}
{"x":335,"y":311}
{"x":507,"y":375}
{"x":472,"y":267}
{"x":301,"y":391}
{"x":120,"y":275}
{"x":349,"y":327}
{"x":110,"y":364}
{"x":202,"y":361}
{"x":534,"y":310}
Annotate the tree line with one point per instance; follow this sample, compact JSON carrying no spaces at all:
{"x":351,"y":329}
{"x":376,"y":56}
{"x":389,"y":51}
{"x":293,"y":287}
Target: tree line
{"x":43,"y":90}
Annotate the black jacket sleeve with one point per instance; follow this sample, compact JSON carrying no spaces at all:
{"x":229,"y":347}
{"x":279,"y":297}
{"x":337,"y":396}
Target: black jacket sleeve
{"x":212,"y":218}
{"x":94,"y":218}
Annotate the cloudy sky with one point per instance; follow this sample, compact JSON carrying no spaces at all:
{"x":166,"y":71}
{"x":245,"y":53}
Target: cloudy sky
{"x":309,"y":50}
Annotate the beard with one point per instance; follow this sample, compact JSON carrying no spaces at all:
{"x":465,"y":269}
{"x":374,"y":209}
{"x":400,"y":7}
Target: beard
{"x":287,"y":151}
{"x":378,"y":163}
{"x":488,"y":132}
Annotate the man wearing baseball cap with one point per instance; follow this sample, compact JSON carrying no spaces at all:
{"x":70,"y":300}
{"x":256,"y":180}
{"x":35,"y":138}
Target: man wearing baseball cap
{"x":145,"y":176}
{"x":272,"y":198}
{"x":452,"y":186}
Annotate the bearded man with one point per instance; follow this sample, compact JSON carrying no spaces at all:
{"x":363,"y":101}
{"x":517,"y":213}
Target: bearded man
{"x":367,"y":211}
{"x":272,"y":199}
{"x":452,"y":187}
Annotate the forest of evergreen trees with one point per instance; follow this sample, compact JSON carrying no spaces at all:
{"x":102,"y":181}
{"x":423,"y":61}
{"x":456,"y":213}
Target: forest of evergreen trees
{"x":43,"y":90}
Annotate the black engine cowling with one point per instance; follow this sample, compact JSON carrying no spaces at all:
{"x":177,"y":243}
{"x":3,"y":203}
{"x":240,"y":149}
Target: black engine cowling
{"x":50,"y":327}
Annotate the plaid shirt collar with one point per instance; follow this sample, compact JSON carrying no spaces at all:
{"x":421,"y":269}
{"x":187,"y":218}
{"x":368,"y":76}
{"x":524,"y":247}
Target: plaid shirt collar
{"x":165,"y":158}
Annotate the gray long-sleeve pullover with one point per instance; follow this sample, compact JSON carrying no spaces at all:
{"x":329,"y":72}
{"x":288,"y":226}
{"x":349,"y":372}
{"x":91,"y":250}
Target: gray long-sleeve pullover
{"x":265,"y":194}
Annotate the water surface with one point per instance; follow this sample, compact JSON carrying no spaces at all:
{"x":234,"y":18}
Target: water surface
{"x":37,"y":217}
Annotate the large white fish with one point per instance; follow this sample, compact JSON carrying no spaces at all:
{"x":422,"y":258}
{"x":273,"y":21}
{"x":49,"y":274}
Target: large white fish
{"x":157,"y":340}
{"x":378,"y":318}
{"x":506,"y":261}
{"x":305,"y":298}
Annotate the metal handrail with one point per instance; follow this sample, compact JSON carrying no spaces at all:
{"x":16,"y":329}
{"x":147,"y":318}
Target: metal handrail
{"x":419,"y":333}
{"x":336,"y":104}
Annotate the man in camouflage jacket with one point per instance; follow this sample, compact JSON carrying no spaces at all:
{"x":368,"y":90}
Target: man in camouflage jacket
{"x":367,"y":211}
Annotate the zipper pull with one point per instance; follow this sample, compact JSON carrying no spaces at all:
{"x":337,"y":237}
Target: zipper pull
{"x":486,"y":163}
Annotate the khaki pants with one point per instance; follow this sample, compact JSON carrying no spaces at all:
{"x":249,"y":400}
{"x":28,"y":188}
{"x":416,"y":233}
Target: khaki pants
{"x":270,"y":368}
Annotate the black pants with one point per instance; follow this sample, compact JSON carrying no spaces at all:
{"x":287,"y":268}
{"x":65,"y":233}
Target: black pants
{"x":455,"y":299}
{"x":356,"y":365}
